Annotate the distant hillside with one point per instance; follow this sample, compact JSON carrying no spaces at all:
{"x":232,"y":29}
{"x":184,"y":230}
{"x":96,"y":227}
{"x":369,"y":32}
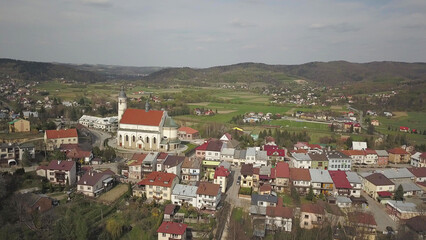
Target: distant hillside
{"x":117,"y":70}
{"x":327,"y":73}
{"x":40,"y":71}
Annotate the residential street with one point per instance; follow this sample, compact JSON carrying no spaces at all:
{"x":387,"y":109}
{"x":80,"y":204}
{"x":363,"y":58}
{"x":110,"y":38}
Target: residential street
{"x":378,"y":210}
{"x":232,"y":193}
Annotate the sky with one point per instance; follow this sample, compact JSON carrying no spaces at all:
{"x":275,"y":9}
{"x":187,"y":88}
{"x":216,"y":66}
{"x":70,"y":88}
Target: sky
{"x":205,"y":33}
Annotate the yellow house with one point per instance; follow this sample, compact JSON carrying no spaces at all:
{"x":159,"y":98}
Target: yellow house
{"x":377,"y":185}
{"x":247,"y":175}
{"x":19,"y":125}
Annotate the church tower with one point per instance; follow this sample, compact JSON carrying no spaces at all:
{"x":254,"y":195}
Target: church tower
{"x":122,"y":103}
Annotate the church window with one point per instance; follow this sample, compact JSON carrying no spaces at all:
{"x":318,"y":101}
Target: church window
{"x":147,"y":139}
{"x":154,"y":140}
{"x":127,"y":138}
{"x":134,"y":138}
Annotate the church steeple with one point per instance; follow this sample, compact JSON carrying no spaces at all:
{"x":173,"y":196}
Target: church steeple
{"x":147,"y":107}
{"x":122,"y":103}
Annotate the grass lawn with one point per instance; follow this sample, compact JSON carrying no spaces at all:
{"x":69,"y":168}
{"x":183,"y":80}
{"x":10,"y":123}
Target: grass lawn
{"x":114,"y":194}
{"x":191,"y":146}
{"x":237,"y":214}
{"x":287,"y":199}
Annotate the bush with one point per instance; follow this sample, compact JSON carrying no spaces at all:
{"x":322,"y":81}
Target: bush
{"x":245,"y":191}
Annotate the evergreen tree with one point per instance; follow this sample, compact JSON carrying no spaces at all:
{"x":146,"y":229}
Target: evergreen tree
{"x":399,"y":193}
{"x":310,"y":195}
{"x":26,"y":158}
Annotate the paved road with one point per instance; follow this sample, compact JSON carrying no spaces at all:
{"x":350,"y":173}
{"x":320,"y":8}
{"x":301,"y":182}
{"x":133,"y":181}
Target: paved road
{"x":232,"y":193}
{"x":382,"y":218}
{"x":98,"y":138}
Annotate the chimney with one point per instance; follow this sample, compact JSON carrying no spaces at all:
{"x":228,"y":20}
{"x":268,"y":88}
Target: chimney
{"x":59,"y":162}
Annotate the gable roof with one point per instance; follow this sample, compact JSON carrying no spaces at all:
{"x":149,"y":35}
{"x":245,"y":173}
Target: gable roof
{"x":279,"y":211}
{"x":397,"y":151}
{"x":321,"y":176}
{"x":300,"y":174}
{"x":210,"y":189}
{"x":396,"y":173}
{"x":321,"y":157}
{"x":202,"y":147}
{"x":63,"y":133}
{"x":312,"y":208}
{"x":353,"y":177}
{"x":382,"y":153}
{"x":90,"y":178}
{"x":418,"y":172}
{"x":265,"y":187}
{"x":78,"y":153}
{"x":379,"y":179}
{"x":61,"y":165}
{"x":221,"y":171}
{"x":362,"y":218}
{"x":282,"y":170}
{"x":418,"y":224}
{"x":138,"y":159}
{"x":142,"y":117}
{"x":255,"y":198}
{"x":172,"y":161}
{"x":339,"y":179}
{"x":172,"y":228}
{"x":193,"y":163}
{"x":214,"y":145}
{"x":187,"y":130}
{"x":169,"y":209}
{"x":247,"y":169}
{"x":158,"y":179}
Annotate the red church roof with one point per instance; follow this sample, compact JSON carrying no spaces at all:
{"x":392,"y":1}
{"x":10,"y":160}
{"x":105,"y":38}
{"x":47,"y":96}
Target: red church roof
{"x":142,"y":117}
{"x":63,"y":133}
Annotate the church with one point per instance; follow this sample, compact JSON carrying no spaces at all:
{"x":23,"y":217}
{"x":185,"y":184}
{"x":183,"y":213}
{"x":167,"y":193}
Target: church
{"x":147,"y":129}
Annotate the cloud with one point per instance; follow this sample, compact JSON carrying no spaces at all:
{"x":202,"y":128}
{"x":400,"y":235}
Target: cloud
{"x":340,"y":27}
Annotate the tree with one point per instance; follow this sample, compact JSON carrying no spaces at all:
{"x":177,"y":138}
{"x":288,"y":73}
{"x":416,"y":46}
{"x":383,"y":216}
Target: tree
{"x":310,"y":195}
{"x":370,"y":129}
{"x":399,"y":193}
{"x":26,"y":158}
{"x":97,"y":151}
{"x":114,"y":228}
{"x":109,"y":154}
{"x":332,"y":127}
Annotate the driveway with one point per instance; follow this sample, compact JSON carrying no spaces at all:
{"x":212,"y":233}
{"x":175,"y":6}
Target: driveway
{"x":232,"y":193}
{"x":380,"y":215}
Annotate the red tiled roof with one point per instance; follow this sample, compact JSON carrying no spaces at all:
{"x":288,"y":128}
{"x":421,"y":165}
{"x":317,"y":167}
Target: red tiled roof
{"x":282,"y":170}
{"x":300,"y":174}
{"x":265,"y":187}
{"x":188,"y":130}
{"x":169,"y":209}
{"x":162,"y":155}
{"x":397,"y":151}
{"x":279,"y":211}
{"x":63,"y":133}
{"x":418,"y":172}
{"x":210,"y":189}
{"x":221,"y":172}
{"x":61,"y":165}
{"x":172,"y":228}
{"x":312,"y":208}
{"x":339,"y":179}
{"x":314,"y":146}
{"x":353,"y":152}
{"x":158,"y":179}
{"x":362,"y":218}
{"x":202,"y":147}
{"x":142,"y":117}
{"x":78,"y":153}
{"x":269,"y":147}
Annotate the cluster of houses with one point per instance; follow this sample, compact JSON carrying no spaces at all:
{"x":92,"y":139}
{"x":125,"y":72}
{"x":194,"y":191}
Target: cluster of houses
{"x":108,"y":124}
{"x":253,"y":117}
{"x":204,"y":112}
{"x":11,"y":153}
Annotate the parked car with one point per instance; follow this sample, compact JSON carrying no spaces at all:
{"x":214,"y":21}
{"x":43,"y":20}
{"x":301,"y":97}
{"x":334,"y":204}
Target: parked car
{"x":238,"y":180}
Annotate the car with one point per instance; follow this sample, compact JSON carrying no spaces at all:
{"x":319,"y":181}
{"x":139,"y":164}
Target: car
{"x":389,"y":230}
{"x":239,"y":180}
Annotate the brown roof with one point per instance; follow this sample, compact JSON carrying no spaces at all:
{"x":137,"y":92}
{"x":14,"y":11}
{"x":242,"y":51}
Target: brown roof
{"x":318,"y":157}
{"x":418,"y":224}
{"x":172,"y":161}
{"x":158,"y":179}
{"x":418,"y":172}
{"x":63,"y":133}
{"x":265,"y":187}
{"x":91,"y":178}
{"x":169,"y":209}
{"x":312,"y":208}
{"x":191,"y":163}
{"x":397,"y":151}
{"x":279,"y":211}
{"x":206,"y":188}
{"x":300,"y":174}
{"x":362,"y":218}
{"x":142,"y":117}
{"x":379,"y":179}
{"x":353,"y":152}
{"x":61,"y":165}
{"x":247,"y":169}
{"x":78,"y":153}
{"x":215,"y":145}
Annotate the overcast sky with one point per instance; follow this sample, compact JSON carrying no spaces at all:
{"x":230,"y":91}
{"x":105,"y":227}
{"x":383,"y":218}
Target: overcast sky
{"x":204,"y":33}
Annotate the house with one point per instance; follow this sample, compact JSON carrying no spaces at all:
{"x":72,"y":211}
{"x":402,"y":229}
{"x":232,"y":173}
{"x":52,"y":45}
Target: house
{"x":363,"y":224}
{"x":410,"y":189}
{"x":149,"y":163}
{"x":398,"y":175}
{"x":184,"y":194}
{"x":54,"y":138}
{"x":357,"y":156}
{"x":59,"y":172}
{"x":172,"y":230}
{"x":200,"y":151}
{"x":311,"y":216}
{"x":191,"y":170}
{"x":343,"y":202}
{"x":356,"y":184}
{"x":404,"y":129}
{"x":270,"y":141}
{"x":382,"y":157}
{"x":221,"y":177}
{"x":419,"y":174}
{"x":375,"y":122}
{"x":187,"y":133}
{"x":213,"y":150}
{"x":377,"y":184}
{"x":169,"y":212}
{"x":321,"y":181}
{"x":274,"y":155}
{"x":280,"y":176}
{"x":371,"y":157}
{"x":319,"y":160}
{"x":399,"y":210}
{"x":265,"y":189}
{"x":157,"y":186}
{"x":34,"y":203}
{"x":247,"y":175}
{"x":399,"y":155}
{"x":300,"y":179}
{"x":79,"y":155}
{"x":338,"y":161}
{"x":239,"y":157}
{"x":226,"y":137}
{"x":208,"y":196}
{"x":264,"y":200}
{"x":93,"y":183}
{"x":227,"y":155}
{"x":173,"y":164}
{"x":341,"y":186}
{"x":26,"y":147}
{"x":28,"y":114}
{"x":135,"y":167}
{"x":19,"y":125}
{"x":160,"y":161}
{"x":279,"y":218}
{"x":301,"y":160}
{"x":417,"y":225}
